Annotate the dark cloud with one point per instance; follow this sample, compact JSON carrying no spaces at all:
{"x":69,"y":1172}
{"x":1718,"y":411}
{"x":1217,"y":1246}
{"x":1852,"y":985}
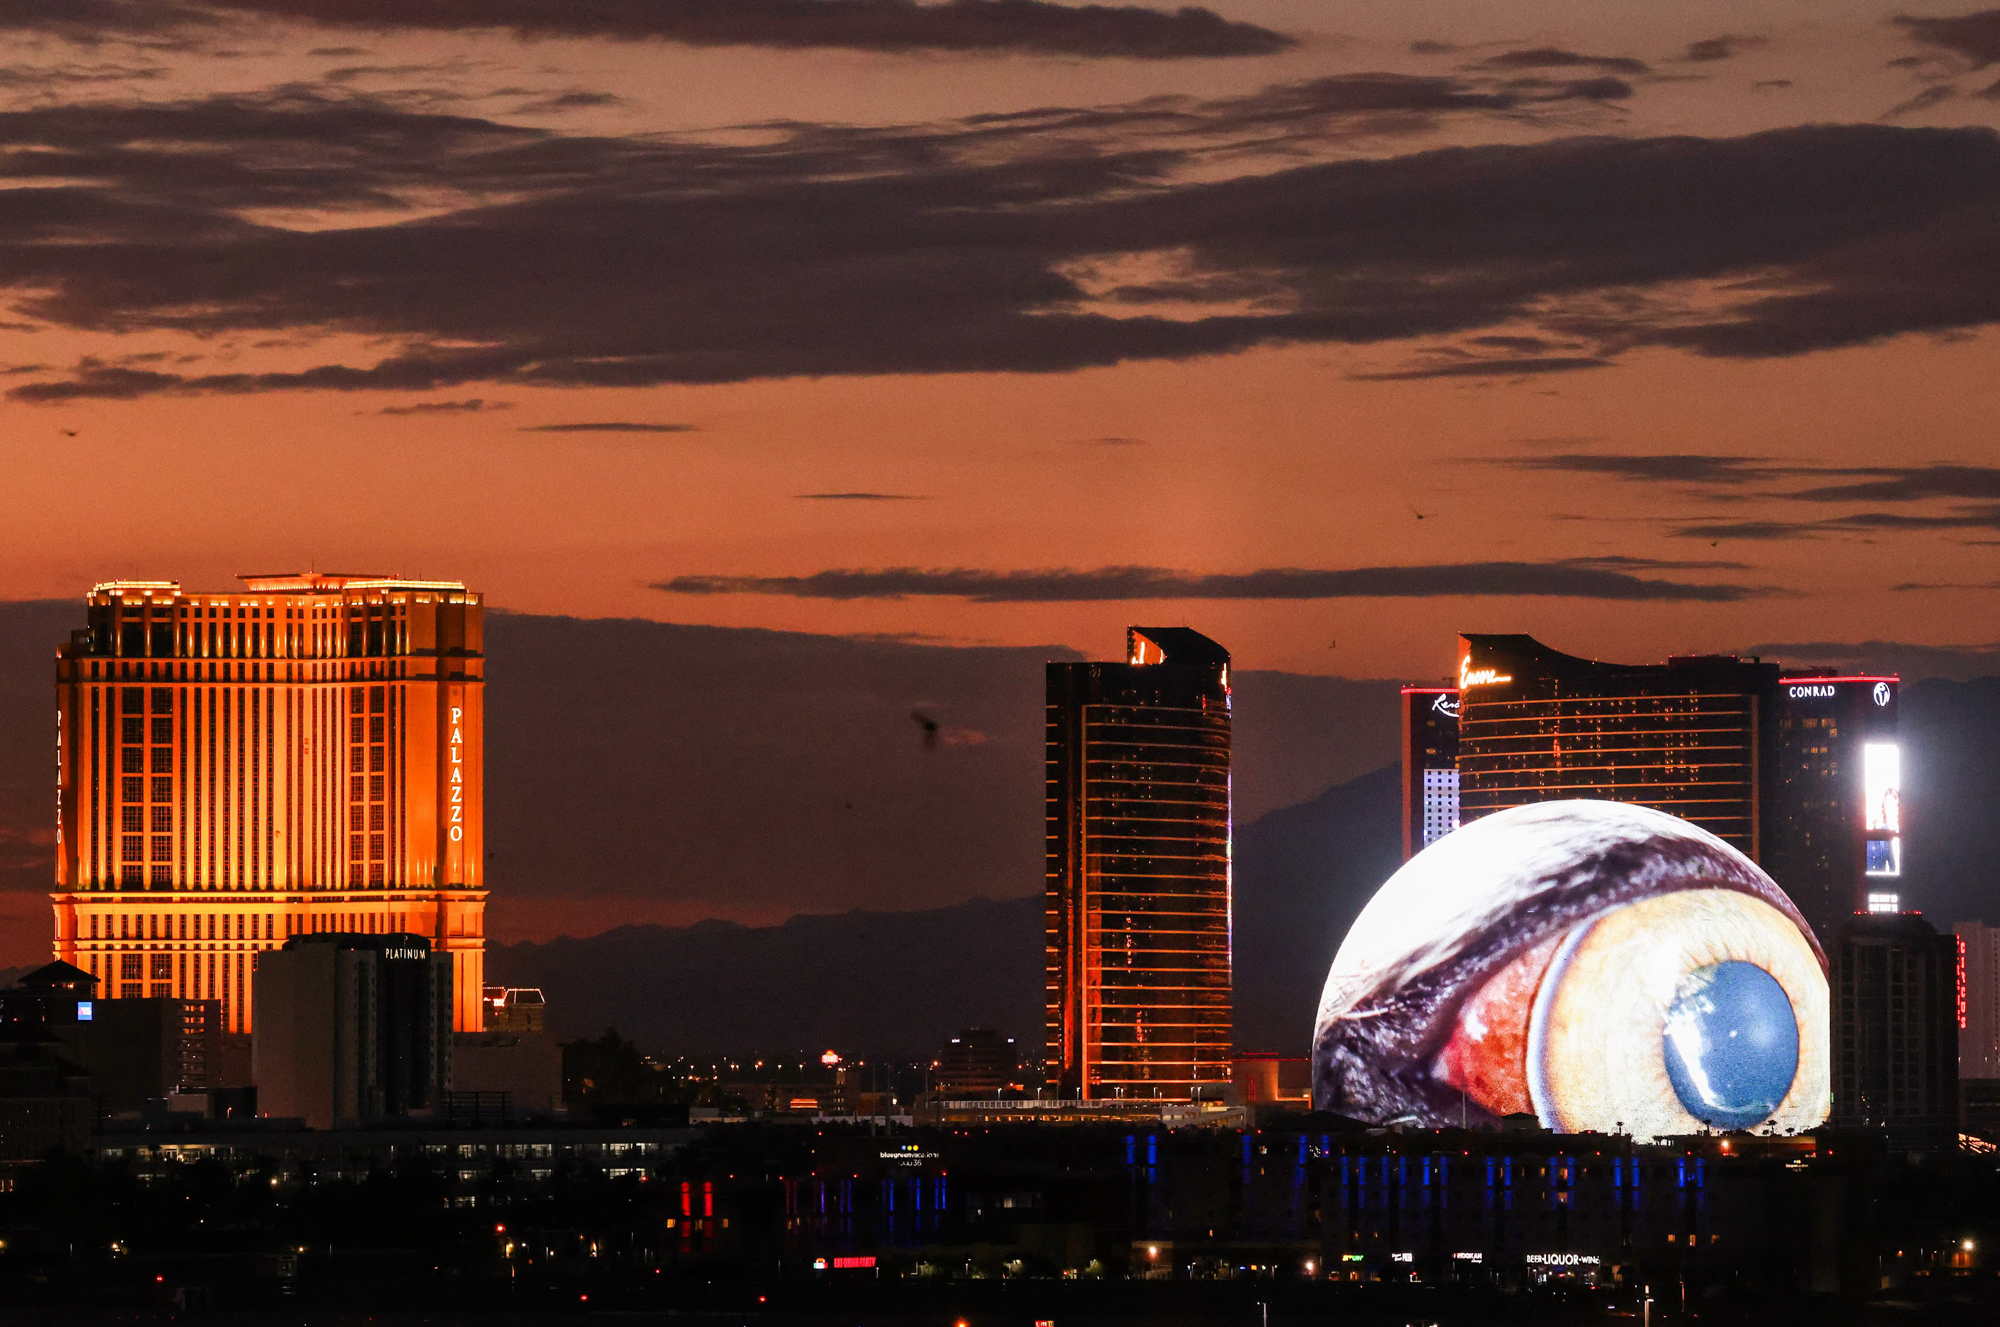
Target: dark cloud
{"x":1976,"y":37}
{"x":569,"y":101}
{"x":1581,"y":578}
{"x":1669,"y":467}
{"x":472,"y":406}
{"x":1760,"y":531}
{"x":1503,"y":367}
{"x":1911,"y":483}
{"x":860,"y":497}
{"x":1719,"y":48}
{"x":1028,"y":26}
{"x":609,"y":426}
{"x":596,"y":261}
{"x":1922,"y":101}
{"x":1905,"y":586}
{"x":1890,"y":656}
{"x":1550,"y":57}
{"x":1966,"y":517}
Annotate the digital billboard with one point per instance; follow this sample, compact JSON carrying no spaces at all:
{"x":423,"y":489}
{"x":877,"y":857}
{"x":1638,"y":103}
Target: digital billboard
{"x":1882,"y":806}
{"x":1597,"y":965}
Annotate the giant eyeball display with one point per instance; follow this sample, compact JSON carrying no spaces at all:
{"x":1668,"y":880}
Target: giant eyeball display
{"x":1602,"y":966}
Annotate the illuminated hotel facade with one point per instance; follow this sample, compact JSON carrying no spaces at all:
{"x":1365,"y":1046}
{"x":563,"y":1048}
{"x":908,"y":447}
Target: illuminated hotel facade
{"x":1801,"y":773}
{"x":303,"y":756}
{"x":1139,"y":996}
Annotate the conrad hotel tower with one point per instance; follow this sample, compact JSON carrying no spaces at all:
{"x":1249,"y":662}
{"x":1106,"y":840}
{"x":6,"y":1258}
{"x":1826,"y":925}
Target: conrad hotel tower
{"x":304,"y":755}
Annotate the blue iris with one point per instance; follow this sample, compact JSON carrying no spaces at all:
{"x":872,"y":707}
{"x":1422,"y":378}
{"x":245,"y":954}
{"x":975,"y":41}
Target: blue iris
{"x":1732,"y":1044}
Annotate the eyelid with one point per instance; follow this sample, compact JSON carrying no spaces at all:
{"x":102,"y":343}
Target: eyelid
{"x":1486,"y":1056}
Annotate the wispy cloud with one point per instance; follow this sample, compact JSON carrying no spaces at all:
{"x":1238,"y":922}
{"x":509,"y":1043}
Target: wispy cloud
{"x":609,"y":426}
{"x":471,"y":407}
{"x":859,"y":497}
{"x":1661,"y":467}
{"x":1581,"y":578}
{"x":1889,"y":656}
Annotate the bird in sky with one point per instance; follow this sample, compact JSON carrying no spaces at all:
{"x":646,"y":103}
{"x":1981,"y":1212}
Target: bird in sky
{"x":930,"y":727}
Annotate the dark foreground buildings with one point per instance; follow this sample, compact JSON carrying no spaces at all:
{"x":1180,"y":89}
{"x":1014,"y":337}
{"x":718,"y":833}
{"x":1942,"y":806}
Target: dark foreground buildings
{"x":1799,"y":772}
{"x":353,"y":1029}
{"x":1342,"y":1219}
{"x":1895,"y":1011}
{"x":1138,"y":870}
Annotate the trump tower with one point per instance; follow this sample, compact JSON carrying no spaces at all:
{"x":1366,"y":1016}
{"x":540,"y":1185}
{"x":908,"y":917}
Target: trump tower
{"x":298,"y":757}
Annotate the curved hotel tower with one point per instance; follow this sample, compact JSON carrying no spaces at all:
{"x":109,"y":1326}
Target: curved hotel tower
{"x":304,"y":755}
{"x":1139,"y":871}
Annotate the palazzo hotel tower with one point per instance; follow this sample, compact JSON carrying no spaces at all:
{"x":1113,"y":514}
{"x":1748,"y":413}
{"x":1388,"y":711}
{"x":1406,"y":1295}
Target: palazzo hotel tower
{"x":304,"y":755}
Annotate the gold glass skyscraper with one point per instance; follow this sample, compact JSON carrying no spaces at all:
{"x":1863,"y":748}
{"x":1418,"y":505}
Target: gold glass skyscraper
{"x":305,"y":755}
{"x":1139,"y":871}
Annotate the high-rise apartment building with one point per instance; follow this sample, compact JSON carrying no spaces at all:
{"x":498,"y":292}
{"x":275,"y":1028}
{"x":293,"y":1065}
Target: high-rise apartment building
{"x":353,"y":1028}
{"x":1895,"y":1029}
{"x":301,"y":756}
{"x":1138,"y":870}
{"x":1802,"y":773}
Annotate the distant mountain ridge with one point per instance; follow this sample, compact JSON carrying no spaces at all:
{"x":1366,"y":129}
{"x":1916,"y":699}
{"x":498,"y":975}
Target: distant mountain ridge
{"x":900,"y":982}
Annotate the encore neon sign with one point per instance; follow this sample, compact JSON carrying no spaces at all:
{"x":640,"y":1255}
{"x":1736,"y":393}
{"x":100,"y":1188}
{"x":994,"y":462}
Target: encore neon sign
{"x":1468,"y":676}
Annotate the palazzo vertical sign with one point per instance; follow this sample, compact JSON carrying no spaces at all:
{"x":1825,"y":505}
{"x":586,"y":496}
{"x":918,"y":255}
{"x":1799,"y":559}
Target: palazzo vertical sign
{"x":455,"y":803}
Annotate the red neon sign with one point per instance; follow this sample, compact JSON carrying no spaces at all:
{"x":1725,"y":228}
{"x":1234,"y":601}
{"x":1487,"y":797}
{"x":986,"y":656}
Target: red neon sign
{"x":859,"y":1260}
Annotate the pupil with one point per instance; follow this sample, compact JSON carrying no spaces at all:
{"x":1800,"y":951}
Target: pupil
{"x":1732,"y":1044}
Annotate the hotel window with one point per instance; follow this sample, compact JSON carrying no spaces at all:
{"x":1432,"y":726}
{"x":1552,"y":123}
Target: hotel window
{"x":133,"y":760}
{"x":163,"y":819}
{"x":133,"y":789}
{"x":128,"y":967}
{"x":132,"y":819}
{"x":163,"y":760}
{"x":132,"y":848}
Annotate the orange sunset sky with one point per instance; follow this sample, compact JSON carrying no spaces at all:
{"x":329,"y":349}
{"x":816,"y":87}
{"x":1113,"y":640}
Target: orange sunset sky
{"x":1646,"y":329}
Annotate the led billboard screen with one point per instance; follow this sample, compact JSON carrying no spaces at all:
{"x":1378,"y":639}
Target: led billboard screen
{"x":1882,"y":806}
{"x":1597,"y":965}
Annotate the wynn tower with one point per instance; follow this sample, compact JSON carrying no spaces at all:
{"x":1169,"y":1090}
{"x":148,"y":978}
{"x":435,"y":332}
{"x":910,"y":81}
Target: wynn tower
{"x":301,"y":756}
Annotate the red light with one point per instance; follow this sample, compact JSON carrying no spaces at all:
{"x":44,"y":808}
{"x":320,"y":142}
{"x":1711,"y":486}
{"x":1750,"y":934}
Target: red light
{"x":1961,"y":983}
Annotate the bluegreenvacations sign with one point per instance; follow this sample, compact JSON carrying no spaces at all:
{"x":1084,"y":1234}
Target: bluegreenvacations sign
{"x":1600,"y":966}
